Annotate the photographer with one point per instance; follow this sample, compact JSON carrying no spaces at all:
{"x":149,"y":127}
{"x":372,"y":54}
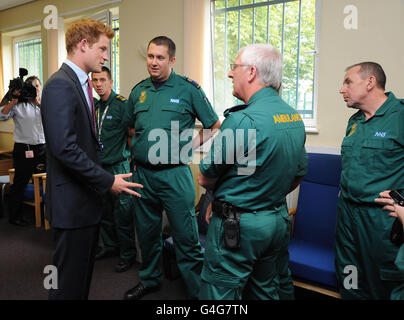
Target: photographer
{"x":22,"y":103}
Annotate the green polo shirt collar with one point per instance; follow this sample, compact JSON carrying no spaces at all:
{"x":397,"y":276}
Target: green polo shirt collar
{"x":170,"y":82}
{"x":391,"y":100}
{"x":264,"y":92}
{"x":109,"y":100}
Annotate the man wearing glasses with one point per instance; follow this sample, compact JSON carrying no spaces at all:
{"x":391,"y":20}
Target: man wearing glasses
{"x":246,"y":255}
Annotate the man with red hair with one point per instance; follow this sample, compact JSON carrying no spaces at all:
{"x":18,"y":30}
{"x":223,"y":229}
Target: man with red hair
{"x":75,"y":179}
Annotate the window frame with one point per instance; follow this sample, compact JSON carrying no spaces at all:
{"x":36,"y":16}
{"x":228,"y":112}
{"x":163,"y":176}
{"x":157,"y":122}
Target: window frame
{"x":109,"y":16}
{"x":310,"y":124}
{"x":116,"y":78}
{"x":27,"y":37}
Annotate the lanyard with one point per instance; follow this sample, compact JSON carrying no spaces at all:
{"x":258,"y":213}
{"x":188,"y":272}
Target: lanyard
{"x":100,"y":123}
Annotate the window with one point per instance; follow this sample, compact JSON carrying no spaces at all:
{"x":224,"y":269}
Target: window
{"x":115,"y":55}
{"x":289,"y":25}
{"x":28,"y":55}
{"x":110,"y":18}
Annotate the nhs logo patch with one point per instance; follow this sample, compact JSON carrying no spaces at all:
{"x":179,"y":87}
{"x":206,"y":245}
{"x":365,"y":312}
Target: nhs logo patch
{"x":175,"y":100}
{"x":380,"y":134}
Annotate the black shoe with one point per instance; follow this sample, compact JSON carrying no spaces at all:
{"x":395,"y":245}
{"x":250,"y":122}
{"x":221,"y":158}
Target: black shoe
{"x":124,"y":265}
{"x":19,"y":222}
{"x":106,"y":254}
{"x":139,"y":291}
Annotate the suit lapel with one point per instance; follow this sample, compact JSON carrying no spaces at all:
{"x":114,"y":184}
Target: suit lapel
{"x":76,"y":81}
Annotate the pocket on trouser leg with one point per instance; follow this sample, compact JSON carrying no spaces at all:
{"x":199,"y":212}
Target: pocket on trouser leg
{"x":184,"y":229}
{"x":193,"y":226}
{"x":393,"y":283}
{"x":398,"y":293}
{"x":123,"y":208}
{"x":138,"y":177}
{"x":214,"y":242}
{"x":219,"y":287}
{"x":391,"y":275}
{"x":188,"y":252}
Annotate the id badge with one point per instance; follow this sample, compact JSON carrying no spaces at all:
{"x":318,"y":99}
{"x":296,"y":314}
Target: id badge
{"x":29,"y":154}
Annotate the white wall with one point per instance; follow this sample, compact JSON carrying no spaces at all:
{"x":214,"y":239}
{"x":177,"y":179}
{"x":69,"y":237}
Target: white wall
{"x":379,"y":38}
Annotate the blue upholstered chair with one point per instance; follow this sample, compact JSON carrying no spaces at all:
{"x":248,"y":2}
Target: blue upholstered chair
{"x":312,"y":245}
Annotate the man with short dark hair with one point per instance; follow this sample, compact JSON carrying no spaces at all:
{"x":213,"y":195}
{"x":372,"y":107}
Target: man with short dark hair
{"x":372,"y":160}
{"x":117,"y":228}
{"x":162,"y":109}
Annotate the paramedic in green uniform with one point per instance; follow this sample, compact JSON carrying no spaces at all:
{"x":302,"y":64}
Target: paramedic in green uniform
{"x":163,"y":109}
{"x":270,"y":161}
{"x":117,"y":229}
{"x":372,"y":156}
{"x":397,"y":212}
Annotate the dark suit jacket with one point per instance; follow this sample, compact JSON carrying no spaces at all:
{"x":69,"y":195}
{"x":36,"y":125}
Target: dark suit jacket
{"x":75,"y":180}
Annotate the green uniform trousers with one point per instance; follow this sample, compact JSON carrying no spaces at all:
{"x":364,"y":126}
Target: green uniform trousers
{"x":117,"y":224}
{"x":363,"y":242}
{"x":259,"y":269}
{"x":171,"y":190}
{"x":398,"y":292}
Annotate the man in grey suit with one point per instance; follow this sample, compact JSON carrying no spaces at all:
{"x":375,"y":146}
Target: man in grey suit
{"x":75,"y":180}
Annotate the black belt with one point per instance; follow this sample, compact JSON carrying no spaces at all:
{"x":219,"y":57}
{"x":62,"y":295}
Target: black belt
{"x":30,"y":145}
{"x":157,"y":167}
{"x":225,"y":208}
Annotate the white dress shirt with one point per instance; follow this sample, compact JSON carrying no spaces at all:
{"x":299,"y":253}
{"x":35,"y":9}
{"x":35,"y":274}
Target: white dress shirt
{"x":83,"y":77}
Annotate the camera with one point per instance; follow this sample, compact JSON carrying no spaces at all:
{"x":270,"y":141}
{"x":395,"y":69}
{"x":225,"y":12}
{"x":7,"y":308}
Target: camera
{"x":27,"y":89}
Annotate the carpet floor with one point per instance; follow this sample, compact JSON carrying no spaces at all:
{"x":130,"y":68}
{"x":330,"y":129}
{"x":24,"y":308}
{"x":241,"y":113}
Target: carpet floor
{"x":26,"y":251}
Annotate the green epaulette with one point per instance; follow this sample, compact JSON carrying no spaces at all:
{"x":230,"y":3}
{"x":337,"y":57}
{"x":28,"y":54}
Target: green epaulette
{"x":138,"y":84}
{"x":194,"y":83}
{"x":227,"y":112}
{"x":120,"y":98}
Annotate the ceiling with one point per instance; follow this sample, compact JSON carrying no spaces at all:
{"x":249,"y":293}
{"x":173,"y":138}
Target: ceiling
{"x":6,"y":4}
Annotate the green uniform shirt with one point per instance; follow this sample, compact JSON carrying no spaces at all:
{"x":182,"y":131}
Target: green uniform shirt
{"x":372,"y":153}
{"x":114,"y":132}
{"x":164,"y":119}
{"x":280,"y":153}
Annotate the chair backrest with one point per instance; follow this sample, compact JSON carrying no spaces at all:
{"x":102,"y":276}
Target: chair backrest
{"x":318,"y":197}
{"x":29,"y":191}
{"x":201,"y":207}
